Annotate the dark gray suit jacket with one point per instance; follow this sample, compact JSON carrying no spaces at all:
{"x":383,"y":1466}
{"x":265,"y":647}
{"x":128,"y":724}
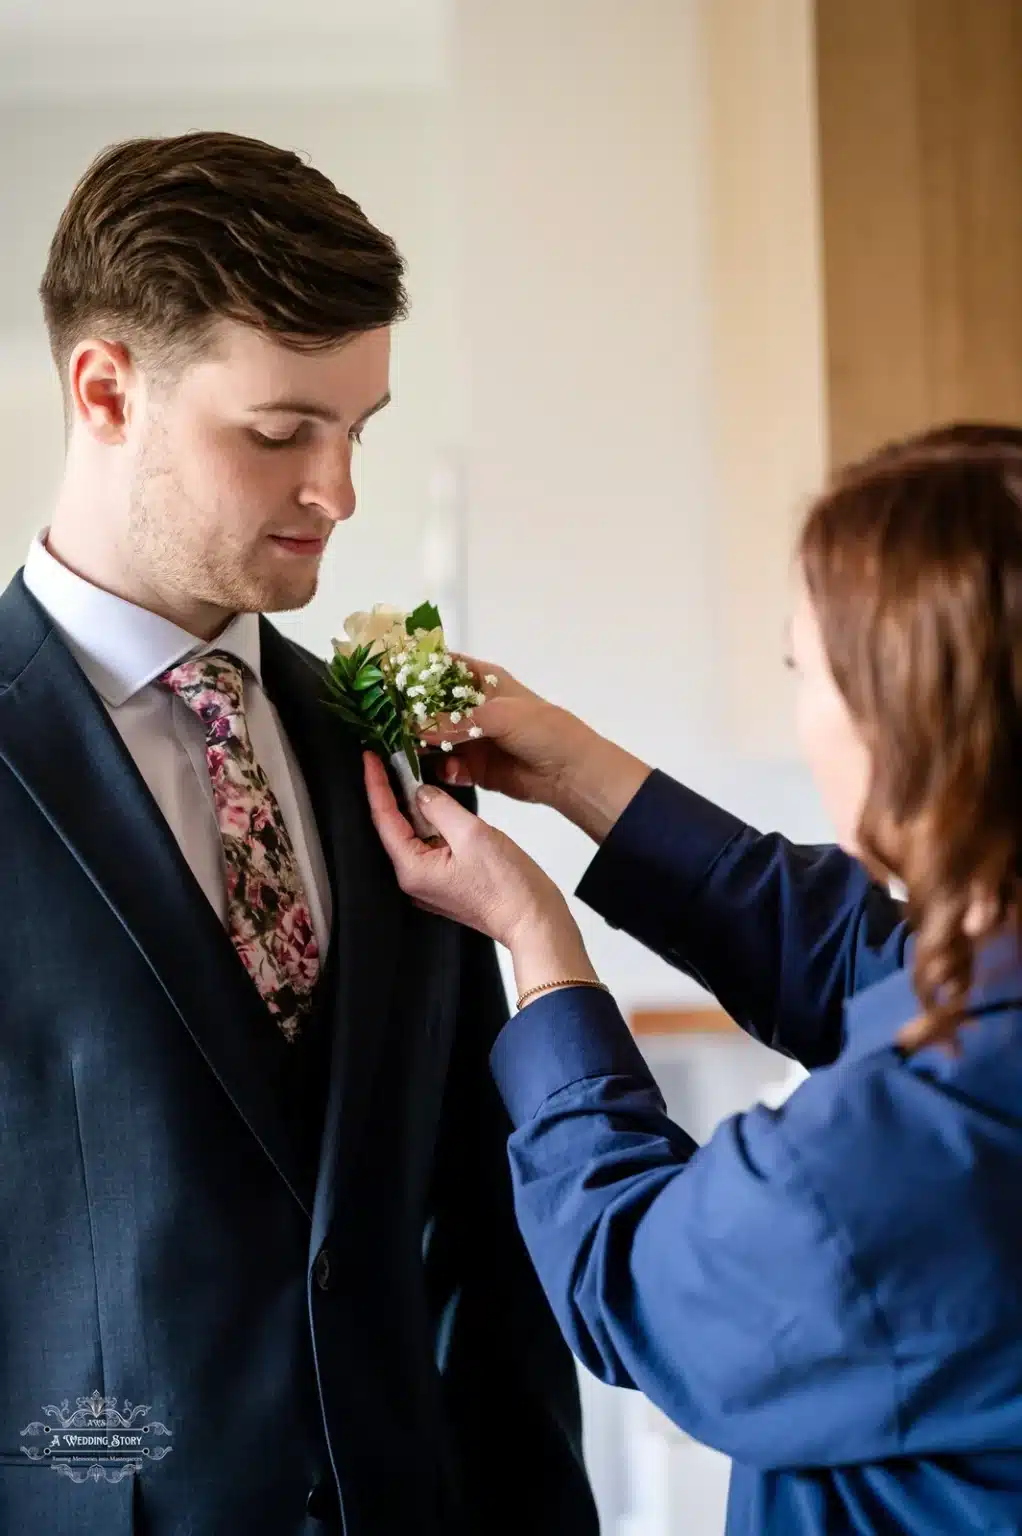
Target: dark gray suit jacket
{"x":350,"y":1340}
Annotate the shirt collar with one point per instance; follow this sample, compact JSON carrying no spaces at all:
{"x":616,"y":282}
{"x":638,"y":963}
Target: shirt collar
{"x":875,"y":1017}
{"x":119,"y":646}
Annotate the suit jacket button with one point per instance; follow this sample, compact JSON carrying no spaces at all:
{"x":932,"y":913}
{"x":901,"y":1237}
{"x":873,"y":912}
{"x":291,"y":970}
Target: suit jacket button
{"x":322,"y":1502}
{"x":321,"y":1270}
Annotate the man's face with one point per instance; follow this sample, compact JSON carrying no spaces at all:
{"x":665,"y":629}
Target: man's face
{"x":242,"y":467}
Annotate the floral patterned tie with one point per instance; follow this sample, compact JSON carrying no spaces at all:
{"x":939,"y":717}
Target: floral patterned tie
{"x":267,"y":910}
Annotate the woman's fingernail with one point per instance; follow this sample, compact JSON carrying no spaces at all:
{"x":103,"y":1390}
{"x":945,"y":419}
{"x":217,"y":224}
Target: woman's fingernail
{"x":424,"y":794}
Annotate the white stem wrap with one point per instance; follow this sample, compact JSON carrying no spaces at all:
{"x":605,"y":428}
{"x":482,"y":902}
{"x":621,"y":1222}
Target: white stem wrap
{"x":409,"y":784}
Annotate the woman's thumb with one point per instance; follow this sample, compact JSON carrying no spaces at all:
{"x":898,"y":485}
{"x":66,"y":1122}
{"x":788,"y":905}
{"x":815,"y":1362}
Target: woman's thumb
{"x":443,"y":812}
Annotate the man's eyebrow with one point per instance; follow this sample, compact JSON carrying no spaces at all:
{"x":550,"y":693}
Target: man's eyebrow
{"x":373,"y":409}
{"x":297,"y":408}
{"x":287,"y":407}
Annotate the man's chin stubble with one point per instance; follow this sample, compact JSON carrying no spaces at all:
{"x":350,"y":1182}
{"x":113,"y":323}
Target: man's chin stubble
{"x":288,"y":598}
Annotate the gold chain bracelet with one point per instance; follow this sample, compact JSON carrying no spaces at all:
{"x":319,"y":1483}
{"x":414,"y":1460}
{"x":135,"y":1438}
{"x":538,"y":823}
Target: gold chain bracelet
{"x":550,"y":986}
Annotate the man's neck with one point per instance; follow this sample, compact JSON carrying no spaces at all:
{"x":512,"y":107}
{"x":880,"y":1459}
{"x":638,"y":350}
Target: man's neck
{"x":102,"y":565}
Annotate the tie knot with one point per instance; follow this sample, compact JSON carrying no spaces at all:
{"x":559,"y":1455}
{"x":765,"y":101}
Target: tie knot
{"x":213,"y":688}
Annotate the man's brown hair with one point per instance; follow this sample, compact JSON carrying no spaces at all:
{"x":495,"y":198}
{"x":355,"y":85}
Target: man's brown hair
{"x":162,"y":237}
{"x":913,"y":562}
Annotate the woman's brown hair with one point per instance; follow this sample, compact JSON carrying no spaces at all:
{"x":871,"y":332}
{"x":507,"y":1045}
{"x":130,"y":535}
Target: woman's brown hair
{"x":913,"y":562}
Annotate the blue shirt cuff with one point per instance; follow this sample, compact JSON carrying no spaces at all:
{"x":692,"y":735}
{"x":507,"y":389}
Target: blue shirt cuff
{"x":663,"y":845}
{"x":561,"y":1038}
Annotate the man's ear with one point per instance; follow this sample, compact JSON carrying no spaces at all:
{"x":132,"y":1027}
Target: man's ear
{"x":101,"y":383}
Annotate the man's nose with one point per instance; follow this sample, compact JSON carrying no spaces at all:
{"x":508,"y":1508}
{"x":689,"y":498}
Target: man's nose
{"x":333,"y":491}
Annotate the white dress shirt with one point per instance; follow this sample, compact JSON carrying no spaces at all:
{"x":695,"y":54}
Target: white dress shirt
{"x":123,"y":649}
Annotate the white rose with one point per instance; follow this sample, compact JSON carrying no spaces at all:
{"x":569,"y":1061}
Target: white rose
{"x":382,"y":630}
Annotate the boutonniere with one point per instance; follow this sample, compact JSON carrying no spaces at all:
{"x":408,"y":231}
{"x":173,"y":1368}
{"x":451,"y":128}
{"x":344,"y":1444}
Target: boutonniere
{"x":391,"y":678}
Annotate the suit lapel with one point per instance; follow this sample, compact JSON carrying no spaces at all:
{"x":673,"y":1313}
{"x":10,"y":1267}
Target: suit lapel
{"x":58,"y":740}
{"x":369,"y":911}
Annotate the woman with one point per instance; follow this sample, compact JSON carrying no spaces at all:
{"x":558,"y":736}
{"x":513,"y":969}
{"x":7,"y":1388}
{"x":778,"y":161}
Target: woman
{"x":831,"y":1292}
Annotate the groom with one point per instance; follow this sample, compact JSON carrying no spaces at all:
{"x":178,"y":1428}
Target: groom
{"x":259,"y":1273}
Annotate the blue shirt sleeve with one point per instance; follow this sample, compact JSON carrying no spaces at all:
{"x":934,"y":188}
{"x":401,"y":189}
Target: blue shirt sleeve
{"x":780,"y":934}
{"x":713,"y":1279}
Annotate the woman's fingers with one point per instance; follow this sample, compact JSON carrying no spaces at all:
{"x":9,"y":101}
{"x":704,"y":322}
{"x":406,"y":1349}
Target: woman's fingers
{"x":492,"y":719}
{"x":418,"y":866}
{"x":451,"y":820}
{"x":394,"y":829}
{"x":456,"y":772}
{"x":478,"y":877}
{"x":465,"y":767}
{"x":443,"y":728}
{"x":483,"y":669}
{"x":469,"y":725}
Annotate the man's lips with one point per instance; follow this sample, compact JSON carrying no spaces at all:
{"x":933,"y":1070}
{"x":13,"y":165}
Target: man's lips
{"x":299,"y":546}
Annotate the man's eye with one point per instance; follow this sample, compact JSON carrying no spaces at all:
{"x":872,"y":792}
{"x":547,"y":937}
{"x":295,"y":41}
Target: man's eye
{"x":265,"y":441}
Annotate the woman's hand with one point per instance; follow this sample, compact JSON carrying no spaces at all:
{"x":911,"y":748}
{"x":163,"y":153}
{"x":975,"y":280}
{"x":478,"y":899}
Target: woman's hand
{"x":528,"y":743}
{"x":531,"y":749}
{"x":480,"y":878}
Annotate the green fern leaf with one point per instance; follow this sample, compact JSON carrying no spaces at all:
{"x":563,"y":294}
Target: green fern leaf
{"x":368,"y":705}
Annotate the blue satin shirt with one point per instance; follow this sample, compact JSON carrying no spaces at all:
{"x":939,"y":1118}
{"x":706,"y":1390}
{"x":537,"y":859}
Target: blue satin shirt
{"x":829,"y":1292}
